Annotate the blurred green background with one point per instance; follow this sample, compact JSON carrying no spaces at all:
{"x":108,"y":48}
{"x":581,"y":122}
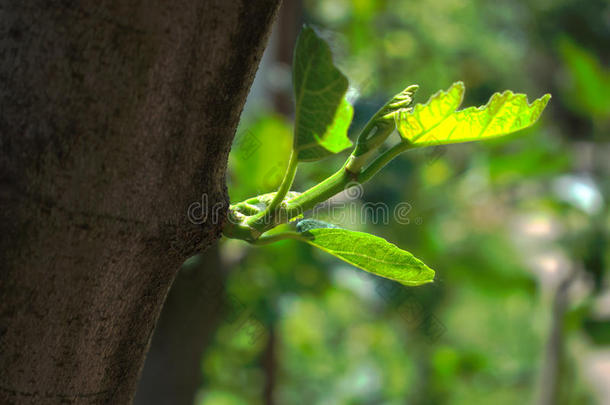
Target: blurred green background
{"x":517,"y":228}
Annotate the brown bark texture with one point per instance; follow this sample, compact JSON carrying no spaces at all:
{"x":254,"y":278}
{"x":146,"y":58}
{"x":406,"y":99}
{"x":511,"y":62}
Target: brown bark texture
{"x":194,"y":308}
{"x":115,"y":116}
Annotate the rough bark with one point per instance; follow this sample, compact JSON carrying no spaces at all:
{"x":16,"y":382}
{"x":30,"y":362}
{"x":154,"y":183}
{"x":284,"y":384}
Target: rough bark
{"x":191,"y":314}
{"x":115,"y":116}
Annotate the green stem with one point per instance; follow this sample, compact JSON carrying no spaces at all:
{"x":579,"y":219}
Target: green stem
{"x":286,"y":183}
{"x":319,"y":193}
{"x":338,"y":181}
{"x":281,"y":192}
{"x":267,"y":239}
{"x":372,"y":136}
{"x":382,"y":160}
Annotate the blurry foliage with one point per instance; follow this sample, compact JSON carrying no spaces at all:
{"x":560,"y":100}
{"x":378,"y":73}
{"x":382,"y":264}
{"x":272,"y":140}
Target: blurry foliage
{"x":499,"y":221}
{"x":589,"y":83}
{"x":264,"y":165}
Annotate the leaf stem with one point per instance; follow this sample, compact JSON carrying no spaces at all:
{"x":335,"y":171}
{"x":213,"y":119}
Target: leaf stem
{"x":282,"y":190}
{"x":382,"y":160}
{"x":338,"y":181}
{"x":319,"y":193}
{"x":286,"y":182}
{"x":267,"y":239}
{"x":333,"y":185}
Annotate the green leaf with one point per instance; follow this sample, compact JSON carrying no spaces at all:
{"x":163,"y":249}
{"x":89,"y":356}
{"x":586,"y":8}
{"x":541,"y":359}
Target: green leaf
{"x":598,"y":331}
{"x":437,"y":122}
{"x":322,"y":113}
{"x":587,"y":92}
{"x":367,"y":252}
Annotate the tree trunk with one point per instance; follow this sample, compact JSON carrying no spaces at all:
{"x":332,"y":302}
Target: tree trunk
{"x":115,"y":117}
{"x":194,"y":307}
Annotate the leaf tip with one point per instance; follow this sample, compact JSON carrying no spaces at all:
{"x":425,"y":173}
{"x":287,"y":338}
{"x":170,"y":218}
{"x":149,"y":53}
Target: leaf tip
{"x":411,"y":89}
{"x":458,"y":85}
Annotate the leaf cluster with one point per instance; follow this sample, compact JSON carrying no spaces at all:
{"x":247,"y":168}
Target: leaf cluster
{"x":322,"y":119}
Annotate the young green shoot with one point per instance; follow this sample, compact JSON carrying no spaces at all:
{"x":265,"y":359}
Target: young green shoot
{"x":322,"y":118}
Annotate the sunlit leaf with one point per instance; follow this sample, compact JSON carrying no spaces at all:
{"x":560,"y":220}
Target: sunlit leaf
{"x":322,"y":113}
{"x":437,"y":122}
{"x":367,"y":252}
